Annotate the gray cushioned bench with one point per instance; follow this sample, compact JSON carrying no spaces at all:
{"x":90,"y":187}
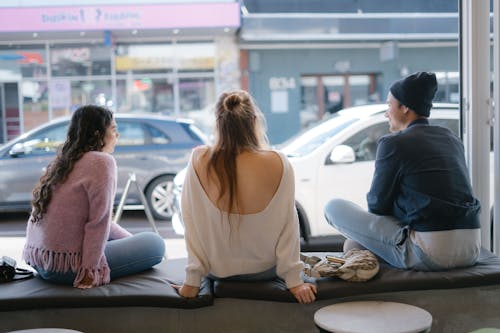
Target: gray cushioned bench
{"x":147,"y":303}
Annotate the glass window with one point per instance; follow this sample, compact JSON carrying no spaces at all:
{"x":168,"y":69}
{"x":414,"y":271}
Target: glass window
{"x":144,"y":58}
{"x":34,"y":95}
{"x":144,"y":94}
{"x":365,"y":141}
{"x":131,"y":134}
{"x":452,"y":124}
{"x":448,"y":85}
{"x":196,"y":93}
{"x":44,"y":142}
{"x":22,"y":61}
{"x":316,"y":136}
{"x":67,"y":60}
{"x":67,"y":95}
{"x":195,"y":57}
{"x":157,"y":136}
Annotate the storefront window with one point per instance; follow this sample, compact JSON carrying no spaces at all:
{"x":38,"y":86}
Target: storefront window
{"x":35,"y":103}
{"x":195,"y":57}
{"x":144,"y":94}
{"x":25,"y":61}
{"x":323,"y":95}
{"x":144,"y":58}
{"x":197,"y":101}
{"x":80,"y":60}
{"x":448,"y":83}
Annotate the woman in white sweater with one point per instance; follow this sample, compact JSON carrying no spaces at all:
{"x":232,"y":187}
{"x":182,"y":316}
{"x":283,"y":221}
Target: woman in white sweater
{"x":238,"y":206}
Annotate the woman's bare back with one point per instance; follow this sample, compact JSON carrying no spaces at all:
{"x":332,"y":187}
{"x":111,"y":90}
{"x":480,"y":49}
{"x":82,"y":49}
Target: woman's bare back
{"x":258,"y":178}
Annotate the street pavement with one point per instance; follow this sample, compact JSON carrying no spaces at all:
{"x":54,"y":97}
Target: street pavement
{"x":13,"y":233}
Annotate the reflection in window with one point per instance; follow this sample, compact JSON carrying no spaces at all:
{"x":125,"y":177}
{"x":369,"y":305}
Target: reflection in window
{"x":45,"y":142}
{"x":80,"y":61}
{"x":157,"y":136}
{"x":144,"y":58}
{"x":364,"y":143}
{"x":131,"y":134}
{"x":316,"y":136}
{"x":448,"y":84}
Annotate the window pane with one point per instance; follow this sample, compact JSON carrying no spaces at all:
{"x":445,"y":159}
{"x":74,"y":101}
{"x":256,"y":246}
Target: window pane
{"x":365,"y":141}
{"x":80,"y":60}
{"x":157,"y":136}
{"x":47,"y":141}
{"x":131,"y":134}
{"x":144,"y":58}
{"x":196,"y":57}
{"x":35,"y":103}
{"x":25,"y":61}
{"x":143,"y":94}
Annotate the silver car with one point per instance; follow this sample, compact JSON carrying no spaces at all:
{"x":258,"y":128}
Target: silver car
{"x":153,"y":147}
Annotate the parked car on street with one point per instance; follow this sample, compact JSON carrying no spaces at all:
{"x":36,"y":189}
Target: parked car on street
{"x":335,"y":159}
{"x":153,"y":147}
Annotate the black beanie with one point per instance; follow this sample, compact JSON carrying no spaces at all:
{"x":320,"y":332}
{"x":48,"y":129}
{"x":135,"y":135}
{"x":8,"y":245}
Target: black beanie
{"x":416,"y":91}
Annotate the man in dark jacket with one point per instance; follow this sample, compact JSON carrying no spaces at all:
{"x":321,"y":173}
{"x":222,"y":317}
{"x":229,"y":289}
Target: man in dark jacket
{"x":422,"y":212}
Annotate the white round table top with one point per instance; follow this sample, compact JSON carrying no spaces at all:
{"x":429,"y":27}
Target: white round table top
{"x":374,"y":317}
{"x":46,"y":330}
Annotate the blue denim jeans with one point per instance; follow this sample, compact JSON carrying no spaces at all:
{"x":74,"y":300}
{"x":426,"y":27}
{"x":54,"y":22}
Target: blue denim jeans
{"x":125,"y":256}
{"x":383,"y":235}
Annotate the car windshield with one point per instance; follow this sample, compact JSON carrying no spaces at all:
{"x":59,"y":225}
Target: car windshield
{"x":308,"y":141}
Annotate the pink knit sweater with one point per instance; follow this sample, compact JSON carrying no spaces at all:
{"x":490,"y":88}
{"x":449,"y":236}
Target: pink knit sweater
{"x":73,"y":232}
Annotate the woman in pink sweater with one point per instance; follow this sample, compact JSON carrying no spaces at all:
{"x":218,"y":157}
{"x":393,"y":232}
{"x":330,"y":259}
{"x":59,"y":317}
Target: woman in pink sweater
{"x":70,"y":237}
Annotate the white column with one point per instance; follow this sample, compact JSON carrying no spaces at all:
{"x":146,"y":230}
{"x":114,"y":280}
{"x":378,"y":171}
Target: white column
{"x":496,"y":130}
{"x":476,"y":102}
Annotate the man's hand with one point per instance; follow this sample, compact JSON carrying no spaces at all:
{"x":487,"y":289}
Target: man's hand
{"x":304,"y":293}
{"x":186,"y":290}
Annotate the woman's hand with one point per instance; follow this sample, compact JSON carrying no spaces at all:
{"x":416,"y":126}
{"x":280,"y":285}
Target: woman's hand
{"x":304,"y":293}
{"x":187,"y":290}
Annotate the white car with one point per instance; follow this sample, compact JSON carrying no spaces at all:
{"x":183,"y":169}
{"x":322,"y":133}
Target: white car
{"x":335,"y":159}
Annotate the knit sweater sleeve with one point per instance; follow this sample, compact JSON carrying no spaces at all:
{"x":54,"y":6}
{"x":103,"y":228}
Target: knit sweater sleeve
{"x":289,"y":266}
{"x":197,"y":266}
{"x":100,"y":187}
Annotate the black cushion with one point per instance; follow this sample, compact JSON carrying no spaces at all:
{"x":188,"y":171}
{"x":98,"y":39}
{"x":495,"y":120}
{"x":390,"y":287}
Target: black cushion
{"x":485,"y":272}
{"x":150,"y":288}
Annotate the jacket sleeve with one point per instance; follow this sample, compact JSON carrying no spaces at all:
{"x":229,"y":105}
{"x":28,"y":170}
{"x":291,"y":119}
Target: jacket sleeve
{"x":289,"y":266}
{"x":101,"y":188}
{"x":197,"y":266}
{"x":384,"y":185}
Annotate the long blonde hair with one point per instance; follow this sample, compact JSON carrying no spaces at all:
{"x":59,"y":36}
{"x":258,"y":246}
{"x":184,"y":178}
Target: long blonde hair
{"x":240,"y":127}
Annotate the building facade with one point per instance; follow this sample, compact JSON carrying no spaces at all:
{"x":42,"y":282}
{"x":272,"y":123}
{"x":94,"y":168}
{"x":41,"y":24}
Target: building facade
{"x":301,"y":60}
{"x":170,"y":58}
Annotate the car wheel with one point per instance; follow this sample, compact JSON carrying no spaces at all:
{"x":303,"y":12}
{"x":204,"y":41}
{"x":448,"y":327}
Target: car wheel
{"x":160,"y":197}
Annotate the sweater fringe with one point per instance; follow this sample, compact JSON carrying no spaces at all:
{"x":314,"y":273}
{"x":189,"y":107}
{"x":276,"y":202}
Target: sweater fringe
{"x":99,"y":276}
{"x":62,"y":262}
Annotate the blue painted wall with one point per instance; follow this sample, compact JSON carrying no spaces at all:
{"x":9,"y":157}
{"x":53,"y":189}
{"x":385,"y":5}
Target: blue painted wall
{"x":293,"y":63}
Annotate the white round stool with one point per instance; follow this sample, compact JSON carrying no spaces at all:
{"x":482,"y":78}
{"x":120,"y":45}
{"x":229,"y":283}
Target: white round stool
{"x":46,"y":330}
{"x":373,"y":317}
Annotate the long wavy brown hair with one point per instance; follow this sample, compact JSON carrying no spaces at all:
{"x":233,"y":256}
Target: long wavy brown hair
{"x":239,"y":127}
{"x":86,"y":132}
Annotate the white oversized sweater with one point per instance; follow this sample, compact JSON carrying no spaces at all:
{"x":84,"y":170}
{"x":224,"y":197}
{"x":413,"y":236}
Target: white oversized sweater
{"x":248,"y":243}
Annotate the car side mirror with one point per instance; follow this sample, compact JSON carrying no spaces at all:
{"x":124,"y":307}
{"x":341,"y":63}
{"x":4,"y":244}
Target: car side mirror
{"x":17,"y":149}
{"x":342,"y":154}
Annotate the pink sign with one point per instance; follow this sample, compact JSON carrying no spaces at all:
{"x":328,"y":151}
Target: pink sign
{"x":199,"y":15}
